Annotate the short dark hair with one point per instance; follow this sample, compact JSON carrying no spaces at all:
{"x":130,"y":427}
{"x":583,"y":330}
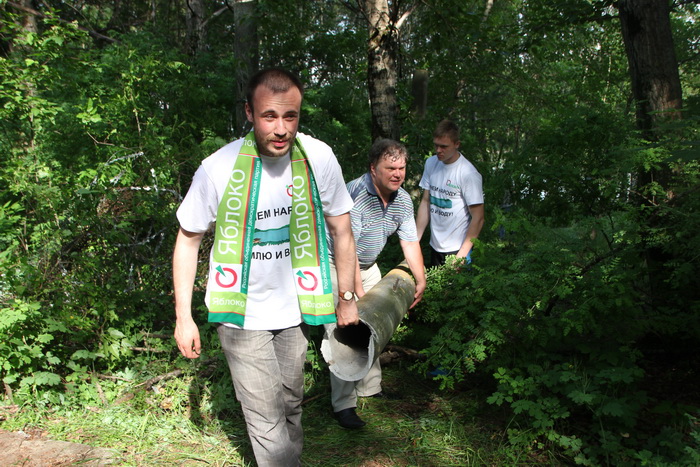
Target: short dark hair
{"x":275,"y":79}
{"x":447,"y":128}
{"x":386,"y":148}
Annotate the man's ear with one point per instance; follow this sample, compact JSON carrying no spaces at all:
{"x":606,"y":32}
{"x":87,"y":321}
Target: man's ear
{"x":249,"y":112}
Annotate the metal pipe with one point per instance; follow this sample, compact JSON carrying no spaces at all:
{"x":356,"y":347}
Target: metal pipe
{"x":351,"y":351}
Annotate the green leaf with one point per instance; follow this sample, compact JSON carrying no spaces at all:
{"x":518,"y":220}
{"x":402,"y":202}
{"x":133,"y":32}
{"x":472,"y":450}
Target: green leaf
{"x":115,"y":333}
{"x":46,"y":378}
{"x":44,"y":338}
{"x":83,"y":354}
{"x":581,"y":397}
{"x":614,"y":408}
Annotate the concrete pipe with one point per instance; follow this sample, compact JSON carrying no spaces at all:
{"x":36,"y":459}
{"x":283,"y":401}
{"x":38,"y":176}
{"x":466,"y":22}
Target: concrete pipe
{"x":351,"y":351}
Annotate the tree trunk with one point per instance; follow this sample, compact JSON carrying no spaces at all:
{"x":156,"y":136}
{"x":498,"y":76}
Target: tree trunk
{"x":245,"y":56}
{"x":419,"y":91}
{"x":656,"y":86}
{"x":381,"y":69}
{"x":194,"y":15}
{"x":29,"y":22}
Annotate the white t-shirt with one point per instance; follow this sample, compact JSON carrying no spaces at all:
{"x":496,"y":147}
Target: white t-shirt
{"x":272,"y":298}
{"x":453,"y":188}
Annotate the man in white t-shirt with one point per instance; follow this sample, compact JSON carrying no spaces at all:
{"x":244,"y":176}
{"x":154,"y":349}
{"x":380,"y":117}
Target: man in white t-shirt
{"x":266,"y":197}
{"x":453,"y":198}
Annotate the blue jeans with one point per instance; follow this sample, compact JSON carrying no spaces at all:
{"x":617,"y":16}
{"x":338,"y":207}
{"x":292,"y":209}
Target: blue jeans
{"x":267,"y":372}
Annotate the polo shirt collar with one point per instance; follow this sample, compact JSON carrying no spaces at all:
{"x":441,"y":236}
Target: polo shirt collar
{"x":369,"y":185}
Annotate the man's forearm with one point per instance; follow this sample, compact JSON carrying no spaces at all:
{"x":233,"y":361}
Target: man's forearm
{"x":475,"y":226}
{"x":423,"y":214}
{"x":414,"y":258}
{"x":345,"y":261}
{"x":185,"y":258}
{"x":345,"y":265}
{"x":184,"y":272}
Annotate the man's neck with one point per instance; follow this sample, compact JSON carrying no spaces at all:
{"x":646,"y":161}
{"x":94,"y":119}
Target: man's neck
{"x":383,"y":195}
{"x":454,"y":159}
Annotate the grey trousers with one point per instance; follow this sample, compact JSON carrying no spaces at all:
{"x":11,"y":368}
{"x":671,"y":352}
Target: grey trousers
{"x":267,"y":372}
{"x":344,"y":393}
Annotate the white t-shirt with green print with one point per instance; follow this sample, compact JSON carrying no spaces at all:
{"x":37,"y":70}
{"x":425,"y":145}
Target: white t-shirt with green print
{"x":453,"y":188}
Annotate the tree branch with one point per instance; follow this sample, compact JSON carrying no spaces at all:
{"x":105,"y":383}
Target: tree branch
{"x":39,"y":14}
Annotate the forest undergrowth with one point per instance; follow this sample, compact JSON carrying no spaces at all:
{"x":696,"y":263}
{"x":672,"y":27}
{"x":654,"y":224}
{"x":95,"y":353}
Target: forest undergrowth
{"x":190,"y":417}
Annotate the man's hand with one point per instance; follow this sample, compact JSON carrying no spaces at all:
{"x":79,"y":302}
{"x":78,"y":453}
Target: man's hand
{"x":187,"y":338}
{"x":184,"y":271}
{"x":346,"y":313}
{"x":457,"y":262}
{"x":420,"y":288}
{"x":414,"y":258}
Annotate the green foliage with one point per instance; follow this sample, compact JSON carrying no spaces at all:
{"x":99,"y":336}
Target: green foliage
{"x":562,"y":318}
{"x":583,"y":283}
{"x":87,"y":205}
{"x":27,"y":349}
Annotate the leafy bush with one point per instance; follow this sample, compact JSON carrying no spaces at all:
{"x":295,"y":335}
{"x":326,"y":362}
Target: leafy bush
{"x":563,"y":319}
{"x":86,"y":207}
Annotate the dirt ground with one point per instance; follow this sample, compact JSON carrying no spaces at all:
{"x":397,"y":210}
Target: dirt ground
{"x":31,"y":450}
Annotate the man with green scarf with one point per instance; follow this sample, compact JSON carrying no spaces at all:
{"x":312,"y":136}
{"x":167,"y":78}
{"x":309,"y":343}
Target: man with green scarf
{"x":269,"y":198}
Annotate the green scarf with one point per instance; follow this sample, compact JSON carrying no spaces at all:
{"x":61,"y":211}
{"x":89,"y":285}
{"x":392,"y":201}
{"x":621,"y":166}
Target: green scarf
{"x":234,"y":236}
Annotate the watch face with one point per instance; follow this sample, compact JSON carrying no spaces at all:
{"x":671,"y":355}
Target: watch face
{"x":347,"y":295}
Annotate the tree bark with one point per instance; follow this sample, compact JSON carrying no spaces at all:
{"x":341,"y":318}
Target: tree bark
{"x":382,"y":74}
{"x":656,"y":86}
{"x":419,"y":91}
{"x":246,"y":57}
{"x":196,"y":32}
{"x":29,"y":22}
{"x":352,"y":350}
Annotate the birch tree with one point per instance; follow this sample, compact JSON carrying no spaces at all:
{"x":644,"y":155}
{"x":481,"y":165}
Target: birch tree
{"x":384,"y":21}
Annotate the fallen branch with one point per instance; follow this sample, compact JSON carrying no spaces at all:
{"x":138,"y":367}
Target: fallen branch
{"x":149,"y":349}
{"x":149,"y":383}
{"x":206,"y":366}
{"x":96,"y":379}
{"x":110,"y":377}
{"x":393,"y":353}
{"x":313,"y":398}
{"x":156,"y":336}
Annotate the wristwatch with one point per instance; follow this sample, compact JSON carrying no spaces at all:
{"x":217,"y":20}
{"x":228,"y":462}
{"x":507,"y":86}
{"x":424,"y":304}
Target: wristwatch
{"x":347,"y":295}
